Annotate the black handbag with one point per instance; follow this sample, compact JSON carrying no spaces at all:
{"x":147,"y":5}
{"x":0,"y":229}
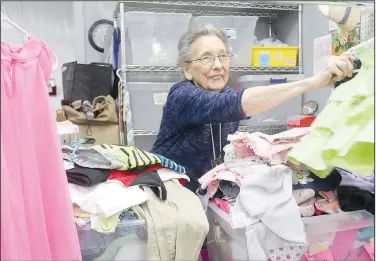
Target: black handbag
{"x":87,"y":81}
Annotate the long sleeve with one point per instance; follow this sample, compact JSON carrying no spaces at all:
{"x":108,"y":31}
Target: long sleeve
{"x":194,"y":105}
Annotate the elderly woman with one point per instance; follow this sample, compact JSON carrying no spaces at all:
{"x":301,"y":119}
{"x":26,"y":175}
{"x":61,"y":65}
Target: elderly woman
{"x":202,"y":110}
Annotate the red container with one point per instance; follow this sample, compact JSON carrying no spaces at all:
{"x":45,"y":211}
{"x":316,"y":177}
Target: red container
{"x":300,"y":121}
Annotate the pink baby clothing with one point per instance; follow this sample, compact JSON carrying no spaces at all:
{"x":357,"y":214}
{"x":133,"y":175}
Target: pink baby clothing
{"x":328,"y":202}
{"x":211,"y":179}
{"x":222,"y":204}
{"x":272,"y":149}
{"x":37,"y":221}
{"x":302,"y":195}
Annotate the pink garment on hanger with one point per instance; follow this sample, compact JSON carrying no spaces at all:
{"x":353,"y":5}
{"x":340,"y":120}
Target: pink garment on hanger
{"x":272,"y":149}
{"x":37,"y":220}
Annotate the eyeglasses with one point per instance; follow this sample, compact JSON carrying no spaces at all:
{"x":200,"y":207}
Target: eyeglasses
{"x":209,"y":59}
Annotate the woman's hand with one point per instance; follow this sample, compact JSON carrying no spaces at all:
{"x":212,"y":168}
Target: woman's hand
{"x":338,"y":68}
{"x":259,"y":99}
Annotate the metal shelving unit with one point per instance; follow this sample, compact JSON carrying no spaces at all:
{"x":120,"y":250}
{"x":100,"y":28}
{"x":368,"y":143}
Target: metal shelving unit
{"x":210,"y":8}
{"x":272,"y":129}
{"x":165,"y":70}
{"x":234,"y":8}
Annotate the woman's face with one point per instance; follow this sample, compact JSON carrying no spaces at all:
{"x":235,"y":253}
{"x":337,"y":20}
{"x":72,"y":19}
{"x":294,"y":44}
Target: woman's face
{"x":212,"y":76}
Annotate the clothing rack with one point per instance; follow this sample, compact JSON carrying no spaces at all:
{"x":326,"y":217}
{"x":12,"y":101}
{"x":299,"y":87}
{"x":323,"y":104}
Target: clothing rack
{"x":12,"y":23}
{"x":6,"y":19}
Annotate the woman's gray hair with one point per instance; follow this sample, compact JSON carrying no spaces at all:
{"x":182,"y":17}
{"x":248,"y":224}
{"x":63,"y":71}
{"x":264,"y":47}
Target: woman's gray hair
{"x":187,"y":39}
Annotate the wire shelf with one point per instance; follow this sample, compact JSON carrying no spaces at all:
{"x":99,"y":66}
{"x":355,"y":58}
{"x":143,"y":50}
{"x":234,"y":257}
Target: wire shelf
{"x":145,"y":132}
{"x":197,"y":12}
{"x":167,"y":70}
{"x":226,"y":4}
{"x":236,"y":8}
{"x":270,"y":129}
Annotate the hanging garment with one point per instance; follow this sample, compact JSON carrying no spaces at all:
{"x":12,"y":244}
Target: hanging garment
{"x":37,"y":220}
{"x":266,"y":207}
{"x":177,"y":227}
{"x":343,"y":134}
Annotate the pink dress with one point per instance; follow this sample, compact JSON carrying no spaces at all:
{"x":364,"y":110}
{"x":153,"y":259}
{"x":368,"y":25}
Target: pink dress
{"x":36,"y":212}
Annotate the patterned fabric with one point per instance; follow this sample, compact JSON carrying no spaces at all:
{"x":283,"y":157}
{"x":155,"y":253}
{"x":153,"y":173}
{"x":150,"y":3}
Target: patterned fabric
{"x":328,"y":202}
{"x":305,"y":179}
{"x":128,"y":157}
{"x":286,"y":253}
{"x":307,"y":208}
{"x":184,"y":135}
{"x":302,"y":195}
{"x":167,"y":163}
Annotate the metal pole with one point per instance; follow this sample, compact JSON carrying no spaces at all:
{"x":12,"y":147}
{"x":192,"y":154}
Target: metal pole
{"x":127,"y":113}
{"x":300,"y":40}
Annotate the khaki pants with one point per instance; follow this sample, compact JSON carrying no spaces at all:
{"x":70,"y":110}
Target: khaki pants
{"x":177,"y":227}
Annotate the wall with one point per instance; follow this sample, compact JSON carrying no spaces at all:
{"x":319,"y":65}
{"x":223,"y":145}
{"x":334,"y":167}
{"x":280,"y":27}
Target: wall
{"x":63,"y":25}
{"x":50,"y":21}
{"x":314,"y":25}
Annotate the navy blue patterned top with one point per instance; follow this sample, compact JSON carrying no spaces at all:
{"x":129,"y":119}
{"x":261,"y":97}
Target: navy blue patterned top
{"x":184,"y":135}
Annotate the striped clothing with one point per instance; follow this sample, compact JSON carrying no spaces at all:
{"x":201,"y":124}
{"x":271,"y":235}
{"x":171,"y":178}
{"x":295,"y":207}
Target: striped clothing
{"x":113,"y":157}
{"x":167,"y":163}
{"x":127,"y":157}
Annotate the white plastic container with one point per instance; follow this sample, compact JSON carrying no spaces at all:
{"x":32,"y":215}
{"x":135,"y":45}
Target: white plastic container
{"x":154,"y":37}
{"x":147,"y":101}
{"x":240,"y":31}
{"x":67,"y":132}
{"x":225,"y":243}
{"x":279,"y":114}
{"x":127,"y":243}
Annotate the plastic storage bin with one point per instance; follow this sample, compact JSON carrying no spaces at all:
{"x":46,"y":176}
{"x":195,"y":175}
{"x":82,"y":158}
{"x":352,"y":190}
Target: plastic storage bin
{"x":278,"y":115}
{"x":147,"y":101}
{"x":154,"y":37}
{"x":275,"y":56}
{"x":240,"y":31}
{"x":127,"y":243}
{"x":340,"y":233}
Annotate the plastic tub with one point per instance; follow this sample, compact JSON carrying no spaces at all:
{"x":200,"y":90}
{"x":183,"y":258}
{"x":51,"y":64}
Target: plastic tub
{"x":147,"y":101}
{"x":240,"y":31}
{"x":340,"y":234}
{"x":275,"y":56}
{"x":154,"y":37}
{"x":127,"y":243}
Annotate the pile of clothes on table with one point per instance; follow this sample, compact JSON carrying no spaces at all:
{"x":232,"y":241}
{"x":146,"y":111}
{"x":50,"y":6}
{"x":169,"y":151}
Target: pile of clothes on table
{"x":111,"y":183}
{"x":263,"y":192}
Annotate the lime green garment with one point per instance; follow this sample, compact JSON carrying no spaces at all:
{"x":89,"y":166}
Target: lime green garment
{"x":343,"y":134}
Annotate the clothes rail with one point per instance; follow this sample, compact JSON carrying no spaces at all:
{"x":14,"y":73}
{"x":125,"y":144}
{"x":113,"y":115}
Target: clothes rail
{"x":12,"y":23}
{"x":6,"y":19}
